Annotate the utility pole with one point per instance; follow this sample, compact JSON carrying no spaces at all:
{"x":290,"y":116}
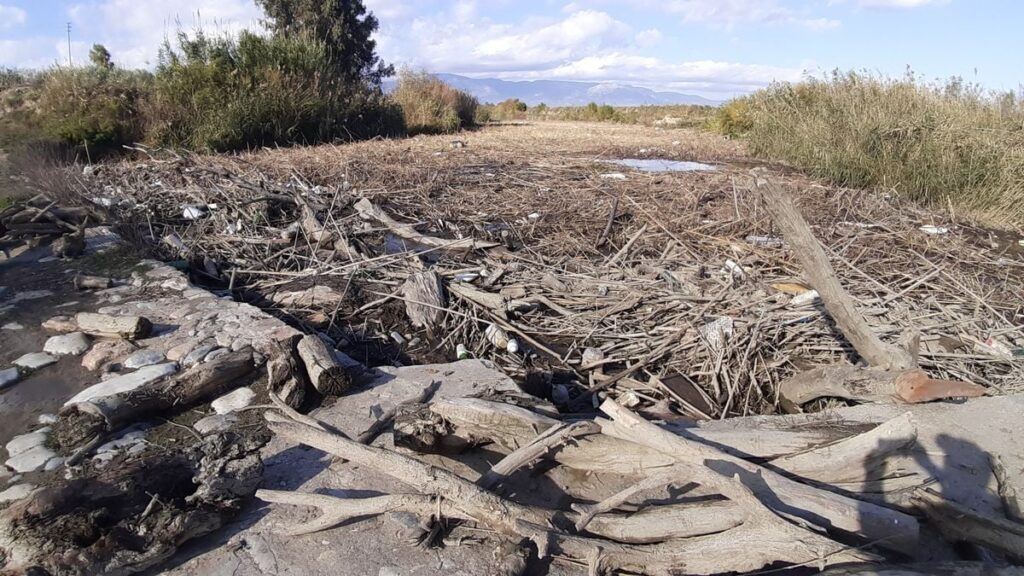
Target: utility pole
{"x":69,"y":44}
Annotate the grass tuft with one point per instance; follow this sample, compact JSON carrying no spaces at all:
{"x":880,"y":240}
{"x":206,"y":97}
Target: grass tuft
{"x":430,"y":106}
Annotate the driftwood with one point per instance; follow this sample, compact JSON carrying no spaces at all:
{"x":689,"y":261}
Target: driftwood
{"x":286,"y":377}
{"x":821,"y":276}
{"x":762,"y":538}
{"x":424,"y":298}
{"x":958,"y":523}
{"x":872,"y":385}
{"x":86,"y":282}
{"x":939,"y":569}
{"x":328,"y":376}
{"x":368,"y":210}
{"x":150,"y":504}
{"x":107,"y":326}
{"x":200,"y":383}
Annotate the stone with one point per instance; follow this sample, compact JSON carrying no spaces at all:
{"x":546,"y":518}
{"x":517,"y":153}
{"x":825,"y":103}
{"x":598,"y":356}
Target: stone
{"x":127,"y":440}
{"x":233,"y":401}
{"x":61,"y":324}
{"x":16,"y":492}
{"x":25,"y":442}
{"x":8,"y":377}
{"x":72,"y":344}
{"x":31,"y":295}
{"x":47,"y":419}
{"x":179,"y":351}
{"x":125,"y":382}
{"x":105,"y":352}
{"x":215,"y":423}
{"x":31,"y":460}
{"x":217,"y":354}
{"x":196,"y":356}
{"x":53,"y":463}
{"x":13,"y":326}
{"x":142,"y":358}
{"x":35,"y":360}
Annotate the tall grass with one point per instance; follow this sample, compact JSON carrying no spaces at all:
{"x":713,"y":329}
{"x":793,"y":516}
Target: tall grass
{"x":941,"y":144}
{"x":430,"y":106}
{"x":668,"y":116}
{"x":91,"y":106}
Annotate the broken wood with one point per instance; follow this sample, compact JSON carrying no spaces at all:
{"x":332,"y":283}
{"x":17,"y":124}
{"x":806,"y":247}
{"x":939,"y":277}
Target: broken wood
{"x":424,"y":299}
{"x":957,"y":523}
{"x":872,"y":385}
{"x":368,"y":210}
{"x":820,"y":275}
{"x":327,"y":375}
{"x":107,"y":326}
{"x":385,"y":420}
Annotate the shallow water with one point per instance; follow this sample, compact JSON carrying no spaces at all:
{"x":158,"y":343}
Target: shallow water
{"x":660,"y":165}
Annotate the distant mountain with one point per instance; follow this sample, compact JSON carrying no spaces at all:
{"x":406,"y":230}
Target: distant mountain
{"x":565,"y":93}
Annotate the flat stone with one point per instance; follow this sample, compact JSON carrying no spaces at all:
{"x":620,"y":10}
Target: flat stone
{"x":13,"y":326}
{"x":31,"y":460}
{"x":47,"y":419}
{"x":215,"y":423}
{"x":53,"y":463}
{"x":105,"y":352}
{"x":61,"y":324}
{"x":143,"y":358}
{"x":216,"y":354}
{"x":25,"y":442}
{"x":127,"y":440}
{"x":196,"y":356}
{"x":16,"y":492}
{"x":35,"y":360}
{"x":31,"y":295}
{"x":67,"y":344}
{"x":125,"y":382}
{"x":233,"y":401}
{"x":8,"y":377}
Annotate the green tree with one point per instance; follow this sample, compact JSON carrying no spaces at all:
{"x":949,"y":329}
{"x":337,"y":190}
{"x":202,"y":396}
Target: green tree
{"x":343,"y":25}
{"x":100,"y":57}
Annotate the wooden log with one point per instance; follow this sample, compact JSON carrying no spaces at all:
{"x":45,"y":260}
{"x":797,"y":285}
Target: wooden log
{"x":887,"y":527}
{"x":872,"y":385}
{"x":368,"y":210}
{"x":201,"y":383}
{"x":86,"y":282}
{"x":926,"y":569}
{"x":822,"y":278}
{"x":328,"y":376}
{"x":107,"y":326}
{"x":286,"y":377}
{"x":424,"y":299}
{"x":957,"y":523}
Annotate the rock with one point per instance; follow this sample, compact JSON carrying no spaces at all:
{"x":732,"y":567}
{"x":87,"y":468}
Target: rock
{"x":67,"y":344}
{"x":233,"y":401}
{"x":105,"y":352}
{"x":322,"y":296}
{"x":47,"y":419}
{"x":13,"y":326}
{"x":146,"y":357}
{"x":197,"y":355}
{"x":16,"y":492}
{"x":61,"y":324}
{"x":127,"y":440}
{"x":179,"y":351}
{"x":31,"y":460}
{"x":53,"y":463}
{"x":8,"y":377}
{"x":218,"y":353}
{"x":25,"y":442}
{"x":31,"y":295}
{"x":215,"y":423}
{"x":125,"y":383}
{"x":35,"y":360}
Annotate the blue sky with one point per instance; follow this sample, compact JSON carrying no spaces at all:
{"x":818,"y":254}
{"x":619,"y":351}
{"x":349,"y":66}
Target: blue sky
{"x":711,"y":47}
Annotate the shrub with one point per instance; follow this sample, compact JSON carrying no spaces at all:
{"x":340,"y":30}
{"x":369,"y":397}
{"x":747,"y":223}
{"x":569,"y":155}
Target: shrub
{"x":510,"y":109}
{"x":218,"y":93}
{"x":93,"y":106}
{"x":431,"y":106}
{"x":948,"y":144}
{"x":732,"y":118}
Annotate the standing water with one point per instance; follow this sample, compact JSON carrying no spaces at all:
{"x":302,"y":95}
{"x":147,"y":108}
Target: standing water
{"x":660,"y":165}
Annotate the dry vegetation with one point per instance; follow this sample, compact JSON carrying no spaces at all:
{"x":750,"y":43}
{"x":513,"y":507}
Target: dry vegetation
{"x":644,"y":296}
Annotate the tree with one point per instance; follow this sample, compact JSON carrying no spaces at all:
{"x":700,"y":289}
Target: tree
{"x":343,"y":25}
{"x":100,"y":57}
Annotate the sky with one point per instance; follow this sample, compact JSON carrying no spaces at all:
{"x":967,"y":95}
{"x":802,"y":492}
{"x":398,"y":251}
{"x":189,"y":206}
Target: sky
{"x":716,"y":48}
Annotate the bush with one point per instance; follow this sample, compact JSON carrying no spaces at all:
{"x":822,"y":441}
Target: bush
{"x":93,"y":106}
{"x":431,"y":106}
{"x":939,"y":144}
{"x":225,"y":94}
{"x":732,"y":118}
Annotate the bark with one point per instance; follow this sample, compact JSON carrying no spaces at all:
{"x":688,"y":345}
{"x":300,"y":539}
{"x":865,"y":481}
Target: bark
{"x":424,"y":299}
{"x":328,"y":376}
{"x":872,"y":385}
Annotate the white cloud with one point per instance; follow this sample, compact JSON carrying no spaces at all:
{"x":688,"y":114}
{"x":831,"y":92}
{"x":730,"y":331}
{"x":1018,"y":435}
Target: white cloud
{"x":12,"y":17}
{"x":648,"y":38}
{"x":727,"y":14}
{"x":893,"y":3}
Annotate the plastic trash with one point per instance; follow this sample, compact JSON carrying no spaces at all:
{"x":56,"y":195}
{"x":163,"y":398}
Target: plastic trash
{"x":461,"y":352}
{"x":500,"y":339}
{"x":929,"y":229}
{"x":193,"y":211}
{"x":614,"y":176}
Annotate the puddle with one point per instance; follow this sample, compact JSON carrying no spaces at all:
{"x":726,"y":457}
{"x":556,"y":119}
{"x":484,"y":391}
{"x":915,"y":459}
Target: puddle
{"x":659,"y":165}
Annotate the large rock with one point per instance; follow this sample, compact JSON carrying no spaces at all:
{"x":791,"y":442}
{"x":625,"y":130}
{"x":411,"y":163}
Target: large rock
{"x":16,"y":492}
{"x":233,"y":401}
{"x":106,"y":351}
{"x":35,"y":360}
{"x":143,"y":358}
{"x":71,"y":344}
{"x":25,"y":442}
{"x":31,"y":460}
{"x":124,"y":383}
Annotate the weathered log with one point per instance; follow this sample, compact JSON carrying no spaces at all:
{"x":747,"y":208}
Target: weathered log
{"x":69,"y":245}
{"x":887,"y":527}
{"x":286,"y":377}
{"x":368,"y":210}
{"x":957,"y":523}
{"x":327,"y":375}
{"x":86,"y":282}
{"x":424,"y":298}
{"x":927,"y":569}
{"x":872,"y":385}
{"x":107,"y":326}
{"x":311,"y":225}
{"x":821,"y":277}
